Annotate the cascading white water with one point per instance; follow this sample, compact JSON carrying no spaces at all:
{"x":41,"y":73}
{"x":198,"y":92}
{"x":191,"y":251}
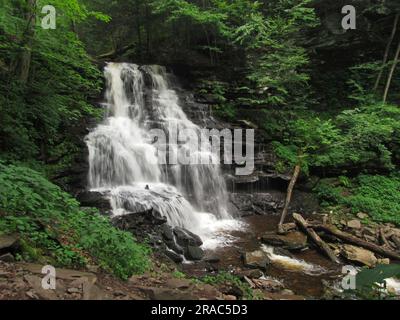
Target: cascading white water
{"x":123,"y":157}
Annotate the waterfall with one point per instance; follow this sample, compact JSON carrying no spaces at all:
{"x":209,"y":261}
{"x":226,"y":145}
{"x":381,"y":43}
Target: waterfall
{"x":123,"y":156}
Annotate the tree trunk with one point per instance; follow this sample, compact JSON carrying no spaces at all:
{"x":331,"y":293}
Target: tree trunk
{"x":315,"y":237}
{"x":292,"y":183}
{"x":391,"y":73}
{"x":25,"y":58}
{"x":386,"y":55}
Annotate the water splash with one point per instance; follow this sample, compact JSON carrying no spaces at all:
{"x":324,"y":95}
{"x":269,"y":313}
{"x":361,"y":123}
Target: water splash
{"x":291,"y":264}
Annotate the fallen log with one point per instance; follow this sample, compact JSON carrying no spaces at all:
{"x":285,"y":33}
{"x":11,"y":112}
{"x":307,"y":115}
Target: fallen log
{"x":357,"y":241}
{"x":383,"y":239}
{"x":396,"y":241}
{"x":315,"y":237}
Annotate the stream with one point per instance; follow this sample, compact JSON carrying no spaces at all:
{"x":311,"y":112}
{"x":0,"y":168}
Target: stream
{"x":303,"y":273}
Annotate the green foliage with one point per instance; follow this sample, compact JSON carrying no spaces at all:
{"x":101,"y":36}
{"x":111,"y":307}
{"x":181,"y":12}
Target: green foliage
{"x":181,"y":9}
{"x":226,"y":111}
{"x":367,"y":138}
{"x":215,"y":88}
{"x":36,"y":114}
{"x":226,"y":278}
{"x":378,"y":196}
{"x":276,"y":58}
{"x":368,"y":278}
{"x":179,"y":275}
{"x":370,"y":136}
{"x":371,"y":284}
{"x":329,"y":192}
{"x":54,"y":228}
{"x":307,"y":140}
{"x":362,"y":80}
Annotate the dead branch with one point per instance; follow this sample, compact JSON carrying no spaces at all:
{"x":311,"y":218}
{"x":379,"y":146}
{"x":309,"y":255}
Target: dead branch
{"x":357,"y":241}
{"x":315,"y":237}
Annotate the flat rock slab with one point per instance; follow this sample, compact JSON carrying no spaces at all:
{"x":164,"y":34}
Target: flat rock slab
{"x":360,"y":255}
{"x":64,"y":274}
{"x":174,"y":283}
{"x":291,"y":241}
{"x":35,"y":283}
{"x":81,"y":284}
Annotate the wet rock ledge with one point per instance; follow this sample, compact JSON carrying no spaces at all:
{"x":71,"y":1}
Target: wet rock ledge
{"x":149,"y":226}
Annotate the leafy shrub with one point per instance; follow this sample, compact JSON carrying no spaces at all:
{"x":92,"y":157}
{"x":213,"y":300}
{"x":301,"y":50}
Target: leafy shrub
{"x":364,"y":138}
{"x":379,"y":196}
{"x":216,"y":89}
{"x":226,"y":111}
{"x":55,"y":229}
{"x":308,"y":142}
{"x":329,"y":193}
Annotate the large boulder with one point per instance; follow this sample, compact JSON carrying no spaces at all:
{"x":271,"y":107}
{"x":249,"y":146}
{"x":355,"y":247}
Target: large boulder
{"x":9,"y":244}
{"x":140,"y":220}
{"x":291,"y":241}
{"x":193,"y":253}
{"x":152,"y":227}
{"x":186,"y":238}
{"x":257,"y":259}
{"x":172,"y":245}
{"x":359,"y":255}
{"x":94,"y":199}
{"x":168,"y":232}
{"x":177,"y":258}
{"x":145,"y":226}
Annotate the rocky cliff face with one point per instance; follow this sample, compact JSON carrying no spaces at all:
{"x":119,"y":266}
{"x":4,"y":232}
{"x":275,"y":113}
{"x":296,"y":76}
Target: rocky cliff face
{"x":262,"y":192}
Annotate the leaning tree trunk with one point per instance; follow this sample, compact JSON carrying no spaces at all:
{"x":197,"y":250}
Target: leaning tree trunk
{"x":292,"y":183}
{"x":391,"y":73}
{"x":387,"y":50}
{"x":24,"y":63}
